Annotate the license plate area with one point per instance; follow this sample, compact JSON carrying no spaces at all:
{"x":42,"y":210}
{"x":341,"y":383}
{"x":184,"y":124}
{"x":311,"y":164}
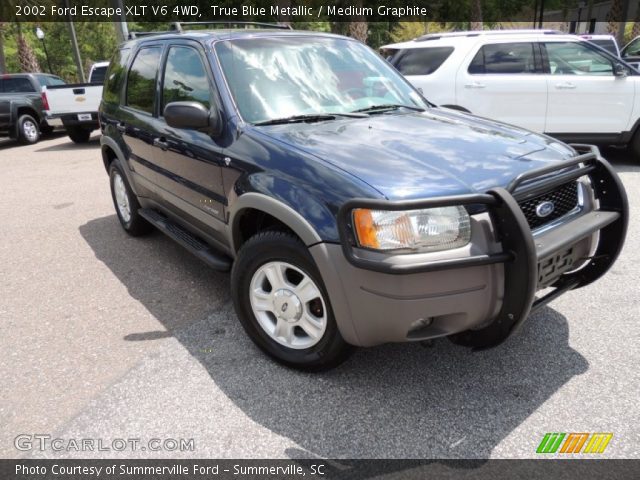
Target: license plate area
{"x":84,"y":116}
{"x":553,"y":266}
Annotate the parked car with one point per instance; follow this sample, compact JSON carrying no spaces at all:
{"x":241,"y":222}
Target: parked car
{"x":631,"y":53}
{"x":608,"y":42}
{"x":540,"y":80}
{"x":73,"y":106}
{"x":97,"y":72}
{"x":349,"y":209}
{"x":21,"y":105}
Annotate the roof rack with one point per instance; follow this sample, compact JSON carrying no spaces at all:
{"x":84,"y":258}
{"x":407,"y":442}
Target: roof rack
{"x":179,"y":26}
{"x":134,"y":35}
{"x":437,"y":36}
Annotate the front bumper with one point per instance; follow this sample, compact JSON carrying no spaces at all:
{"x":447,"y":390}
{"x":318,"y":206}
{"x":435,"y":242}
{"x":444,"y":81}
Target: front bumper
{"x":489,"y":286}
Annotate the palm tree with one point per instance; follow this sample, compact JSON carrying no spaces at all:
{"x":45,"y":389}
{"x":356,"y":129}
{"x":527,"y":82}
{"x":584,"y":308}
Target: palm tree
{"x":635,"y":30}
{"x":283,"y":19}
{"x":358,"y":26}
{"x":26,"y":56}
{"x":3,"y":62}
{"x":613,"y":17}
{"x":476,"y":15}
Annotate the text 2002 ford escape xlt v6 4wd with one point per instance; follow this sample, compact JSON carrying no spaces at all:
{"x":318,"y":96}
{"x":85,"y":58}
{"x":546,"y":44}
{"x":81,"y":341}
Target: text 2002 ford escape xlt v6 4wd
{"x":352,"y":211}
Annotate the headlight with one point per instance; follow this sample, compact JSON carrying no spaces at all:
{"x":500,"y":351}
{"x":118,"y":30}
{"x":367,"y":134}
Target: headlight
{"x":425,"y":230}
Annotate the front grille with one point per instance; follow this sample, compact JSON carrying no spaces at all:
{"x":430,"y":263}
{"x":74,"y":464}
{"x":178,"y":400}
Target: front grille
{"x":564,"y":199}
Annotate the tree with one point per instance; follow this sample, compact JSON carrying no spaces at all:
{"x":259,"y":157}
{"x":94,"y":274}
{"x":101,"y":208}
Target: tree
{"x":26,"y":56}
{"x":283,"y":19}
{"x":3,"y":62}
{"x":635,"y":30}
{"x":405,"y":31}
{"x":476,"y":15}
{"x":358,"y":27}
{"x":613,"y":17}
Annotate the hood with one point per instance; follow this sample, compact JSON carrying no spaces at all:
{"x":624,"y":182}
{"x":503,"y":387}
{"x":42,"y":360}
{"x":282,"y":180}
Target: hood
{"x":417,"y":155}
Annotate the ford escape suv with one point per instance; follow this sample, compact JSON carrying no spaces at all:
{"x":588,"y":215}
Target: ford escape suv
{"x":350,"y":211}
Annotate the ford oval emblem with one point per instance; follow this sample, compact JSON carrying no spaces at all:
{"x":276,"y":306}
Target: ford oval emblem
{"x":545,"y":209}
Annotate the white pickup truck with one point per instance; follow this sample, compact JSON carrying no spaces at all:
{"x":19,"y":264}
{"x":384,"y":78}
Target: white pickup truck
{"x":73,"y":106}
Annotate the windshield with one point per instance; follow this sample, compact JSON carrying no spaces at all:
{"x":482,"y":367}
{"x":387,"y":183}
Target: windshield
{"x":280,"y":77}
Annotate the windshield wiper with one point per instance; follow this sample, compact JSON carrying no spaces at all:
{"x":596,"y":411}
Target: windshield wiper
{"x":386,"y":107}
{"x":309,"y":117}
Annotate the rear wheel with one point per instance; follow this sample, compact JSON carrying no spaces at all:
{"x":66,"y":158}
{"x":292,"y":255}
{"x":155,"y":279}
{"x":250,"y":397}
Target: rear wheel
{"x":79,"y":134}
{"x":283,"y":305}
{"x":28,"y":131}
{"x":126,"y":203}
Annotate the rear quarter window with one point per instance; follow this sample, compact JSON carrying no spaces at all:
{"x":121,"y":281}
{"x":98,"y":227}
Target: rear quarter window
{"x":115,"y":75}
{"x":141,"y":84}
{"x":420,"y":61}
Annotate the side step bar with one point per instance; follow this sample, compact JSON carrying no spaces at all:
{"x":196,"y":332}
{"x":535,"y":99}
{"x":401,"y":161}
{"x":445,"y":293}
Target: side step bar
{"x":216,"y":260}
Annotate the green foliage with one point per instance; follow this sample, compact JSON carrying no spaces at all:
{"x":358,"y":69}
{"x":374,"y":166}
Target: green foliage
{"x":97,"y":41}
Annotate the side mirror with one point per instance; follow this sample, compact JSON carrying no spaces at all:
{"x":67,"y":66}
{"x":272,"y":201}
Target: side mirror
{"x":619,"y":70}
{"x":188,"y":115}
{"x":193,"y":116}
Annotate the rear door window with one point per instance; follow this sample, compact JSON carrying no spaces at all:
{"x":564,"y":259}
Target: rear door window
{"x":420,"y":61}
{"x":17,"y":85}
{"x":141,"y":85}
{"x":505,"y":58}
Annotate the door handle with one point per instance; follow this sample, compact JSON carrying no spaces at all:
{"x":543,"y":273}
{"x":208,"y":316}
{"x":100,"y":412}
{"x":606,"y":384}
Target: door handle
{"x":475,"y":85}
{"x":565,"y":86}
{"x":160,"y":142}
{"x":121,"y":127}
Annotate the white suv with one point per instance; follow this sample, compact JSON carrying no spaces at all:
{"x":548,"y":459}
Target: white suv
{"x":541,"y":80}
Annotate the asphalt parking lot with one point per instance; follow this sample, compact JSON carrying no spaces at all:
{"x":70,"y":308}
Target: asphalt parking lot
{"x":106,"y":336}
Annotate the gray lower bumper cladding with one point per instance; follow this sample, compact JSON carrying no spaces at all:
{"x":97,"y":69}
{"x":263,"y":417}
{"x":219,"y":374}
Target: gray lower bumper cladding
{"x":509,"y":276}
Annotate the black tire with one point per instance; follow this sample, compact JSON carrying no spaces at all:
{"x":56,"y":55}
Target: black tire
{"x":46,"y":130}
{"x":28,"y":130}
{"x":79,"y":134}
{"x":277,"y":246}
{"x":135,"y":225}
{"x":634,"y":145}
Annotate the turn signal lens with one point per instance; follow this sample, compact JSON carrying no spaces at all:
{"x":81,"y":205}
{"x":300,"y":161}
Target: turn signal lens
{"x":425,"y":230}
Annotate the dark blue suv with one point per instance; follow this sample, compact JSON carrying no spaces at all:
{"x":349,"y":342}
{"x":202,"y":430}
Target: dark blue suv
{"x":350,"y":210}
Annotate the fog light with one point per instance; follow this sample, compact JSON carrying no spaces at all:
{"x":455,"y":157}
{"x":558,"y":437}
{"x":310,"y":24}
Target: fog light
{"x":420,"y":324}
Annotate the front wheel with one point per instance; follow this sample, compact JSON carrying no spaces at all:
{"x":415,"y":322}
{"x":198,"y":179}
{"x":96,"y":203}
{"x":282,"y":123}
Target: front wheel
{"x":126,"y":203}
{"x":283,"y":305}
{"x":634,"y":145}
